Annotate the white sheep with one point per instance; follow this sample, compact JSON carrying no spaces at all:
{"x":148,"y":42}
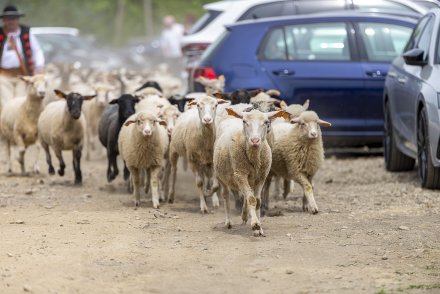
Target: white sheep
{"x":19,"y":118}
{"x":193,"y":138}
{"x":62,"y":127}
{"x":298,"y":153}
{"x":242,"y":160}
{"x":142,"y":145}
{"x":212,"y":85}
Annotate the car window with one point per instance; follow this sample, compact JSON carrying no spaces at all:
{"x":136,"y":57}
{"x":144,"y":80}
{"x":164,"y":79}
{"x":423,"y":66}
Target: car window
{"x":381,"y":6}
{"x":383,"y":42}
{"x":425,"y":38}
{"x":264,"y":10}
{"x":204,"y":21}
{"x":309,"y":6}
{"x":274,"y":47}
{"x":415,"y":36}
{"x":323,"y":41}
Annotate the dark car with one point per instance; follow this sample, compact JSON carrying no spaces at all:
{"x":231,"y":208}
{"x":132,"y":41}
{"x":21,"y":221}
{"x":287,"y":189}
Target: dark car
{"x":339,"y":61}
{"x":412,"y":103}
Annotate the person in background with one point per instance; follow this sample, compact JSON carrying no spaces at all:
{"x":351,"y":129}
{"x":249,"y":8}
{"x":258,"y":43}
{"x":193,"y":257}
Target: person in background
{"x":189,"y":22}
{"x":20,"y":52}
{"x":170,"y":38}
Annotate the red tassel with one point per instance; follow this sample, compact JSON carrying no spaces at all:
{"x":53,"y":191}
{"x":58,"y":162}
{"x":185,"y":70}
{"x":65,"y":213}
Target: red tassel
{"x":28,"y":52}
{"x":28,"y":45}
{"x":26,"y":36}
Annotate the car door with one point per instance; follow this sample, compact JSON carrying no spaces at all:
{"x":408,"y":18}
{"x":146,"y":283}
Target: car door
{"x":380,"y":43}
{"x":317,"y":61}
{"x":409,"y":83}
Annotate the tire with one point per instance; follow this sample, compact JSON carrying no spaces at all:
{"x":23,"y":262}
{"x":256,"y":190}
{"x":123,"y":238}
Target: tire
{"x":428,"y":173}
{"x":395,"y":160}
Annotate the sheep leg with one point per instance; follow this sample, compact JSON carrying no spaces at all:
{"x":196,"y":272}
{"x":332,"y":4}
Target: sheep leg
{"x":225,"y":194}
{"x":287,"y":188}
{"x":88,"y":145}
{"x":134,"y":172}
{"x":36,"y":168}
{"x":59,"y":155}
{"x":258,"y":190}
{"x":126,"y":172}
{"x":112,"y":170}
{"x":8,"y":148}
{"x":266,"y":195}
{"x":21,"y":151}
{"x":166,"y":179}
{"x":309,"y":203}
{"x":77,"y":164}
{"x":173,"y":159}
{"x":200,"y":186}
{"x":238,"y":200}
{"x":48,"y":158}
{"x":154,"y":178}
{"x":277,"y":187}
{"x":244,"y":209}
{"x":251,"y":203}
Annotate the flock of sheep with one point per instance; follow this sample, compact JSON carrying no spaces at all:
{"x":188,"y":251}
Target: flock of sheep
{"x":234,"y":143}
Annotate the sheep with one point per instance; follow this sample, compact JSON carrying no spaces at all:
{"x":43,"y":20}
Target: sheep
{"x":152,"y":102}
{"x":212,"y":85}
{"x":92,"y":112}
{"x":193,"y":138}
{"x":298,"y":153}
{"x":238,"y":96}
{"x":142,"y":147}
{"x":62,"y":127}
{"x":19,"y":118}
{"x":292,"y":111}
{"x":150,"y":84}
{"x":242,"y":160}
{"x":112,"y":119}
{"x":180,"y":101}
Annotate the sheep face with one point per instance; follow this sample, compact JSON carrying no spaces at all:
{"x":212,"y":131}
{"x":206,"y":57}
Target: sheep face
{"x":308,"y":124}
{"x":102,"y":94}
{"x":207,"y":107}
{"x":74,"y":102}
{"x":170,"y":115}
{"x":214,"y":85}
{"x":38,"y":84}
{"x":145,"y":123}
{"x":256,"y":124}
{"x":126,"y":104}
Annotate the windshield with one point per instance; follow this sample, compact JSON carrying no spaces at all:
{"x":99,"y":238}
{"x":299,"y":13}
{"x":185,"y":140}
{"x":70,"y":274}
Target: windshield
{"x":204,"y":21}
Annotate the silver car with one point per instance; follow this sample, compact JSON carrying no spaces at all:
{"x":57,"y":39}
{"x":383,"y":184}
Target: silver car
{"x":412,"y":104}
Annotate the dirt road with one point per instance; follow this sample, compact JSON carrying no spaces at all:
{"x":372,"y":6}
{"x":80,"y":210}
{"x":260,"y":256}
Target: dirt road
{"x":376,"y":232}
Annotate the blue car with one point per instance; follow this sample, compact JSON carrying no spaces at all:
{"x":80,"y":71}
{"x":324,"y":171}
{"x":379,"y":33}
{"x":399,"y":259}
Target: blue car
{"x":412,"y":104}
{"x":339,"y":61}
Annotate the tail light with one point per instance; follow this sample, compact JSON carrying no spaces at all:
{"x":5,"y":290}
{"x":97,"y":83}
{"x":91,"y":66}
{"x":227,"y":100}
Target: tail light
{"x":206,"y":72}
{"x":195,"y":49}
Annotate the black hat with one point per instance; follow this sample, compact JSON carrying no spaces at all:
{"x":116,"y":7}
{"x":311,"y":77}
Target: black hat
{"x":11,"y":10}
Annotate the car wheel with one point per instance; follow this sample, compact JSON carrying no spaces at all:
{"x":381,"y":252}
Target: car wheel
{"x":395,"y":160}
{"x":428,"y":173}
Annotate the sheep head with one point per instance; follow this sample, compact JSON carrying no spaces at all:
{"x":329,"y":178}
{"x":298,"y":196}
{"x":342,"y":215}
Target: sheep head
{"x":256,"y":124}
{"x":37,"y":84}
{"x":207,"y":107}
{"x":74,"y":102}
{"x":145,"y":123}
{"x":308,"y":124}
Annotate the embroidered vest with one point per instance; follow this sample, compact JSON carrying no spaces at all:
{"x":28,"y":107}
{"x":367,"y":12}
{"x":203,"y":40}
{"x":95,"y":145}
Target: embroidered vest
{"x":26,"y":45}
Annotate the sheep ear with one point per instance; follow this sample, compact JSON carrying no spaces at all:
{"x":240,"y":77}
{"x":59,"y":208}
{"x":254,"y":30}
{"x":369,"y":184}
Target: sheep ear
{"x":283,"y":104}
{"x":280,"y":113}
{"x":26,"y":79}
{"x":273,"y":92}
{"x":114,"y":101}
{"x":136,"y":99}
{"x":306,"y":104}
{"x":221,"y":78}
{"x":162,"y":122}
{"x":192,"y":102}
{"x":60,"y":94}
{"x":129,"y":122}
{"x":232,"y":112}
{"x":221,"y":95}
{"x":294,"y":120}
{"x":221,"y":101}
{"x":89,"y":97}
{"x":324,"y":123}
{"x":276,"y":102}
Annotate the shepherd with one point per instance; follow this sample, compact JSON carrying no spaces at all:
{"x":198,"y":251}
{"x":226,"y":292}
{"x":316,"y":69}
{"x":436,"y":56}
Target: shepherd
{"x":20,"y":52}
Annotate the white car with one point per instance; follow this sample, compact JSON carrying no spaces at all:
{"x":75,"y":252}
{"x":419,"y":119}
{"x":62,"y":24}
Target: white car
{"x":218,"y":14}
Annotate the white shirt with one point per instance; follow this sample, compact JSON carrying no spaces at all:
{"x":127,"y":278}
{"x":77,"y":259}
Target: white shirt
{"x":10,"y":58}
{"x":170,"y":41}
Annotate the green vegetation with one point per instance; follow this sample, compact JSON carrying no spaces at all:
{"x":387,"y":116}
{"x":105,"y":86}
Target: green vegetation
{"x":111,"y":21}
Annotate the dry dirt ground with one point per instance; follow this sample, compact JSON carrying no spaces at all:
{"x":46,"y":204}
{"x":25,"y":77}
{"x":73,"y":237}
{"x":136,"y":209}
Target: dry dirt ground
{"x":376,"y":232}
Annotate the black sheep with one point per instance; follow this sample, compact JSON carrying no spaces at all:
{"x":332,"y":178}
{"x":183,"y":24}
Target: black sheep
{"x":110,"y":124}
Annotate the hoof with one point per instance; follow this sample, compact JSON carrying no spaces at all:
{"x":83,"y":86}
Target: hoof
{"x":61,"y":172}
{"x":256,"y":226}
{"x":170,"y":201}
{"x":228,"y":224}
{"x":78,"y":183}
{"x":51,"y":171}
{"x":137,"y":203}
{"x":312,"y":210}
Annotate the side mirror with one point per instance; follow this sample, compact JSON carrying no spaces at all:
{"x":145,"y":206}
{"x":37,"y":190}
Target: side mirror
{"x":415,"y":57}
